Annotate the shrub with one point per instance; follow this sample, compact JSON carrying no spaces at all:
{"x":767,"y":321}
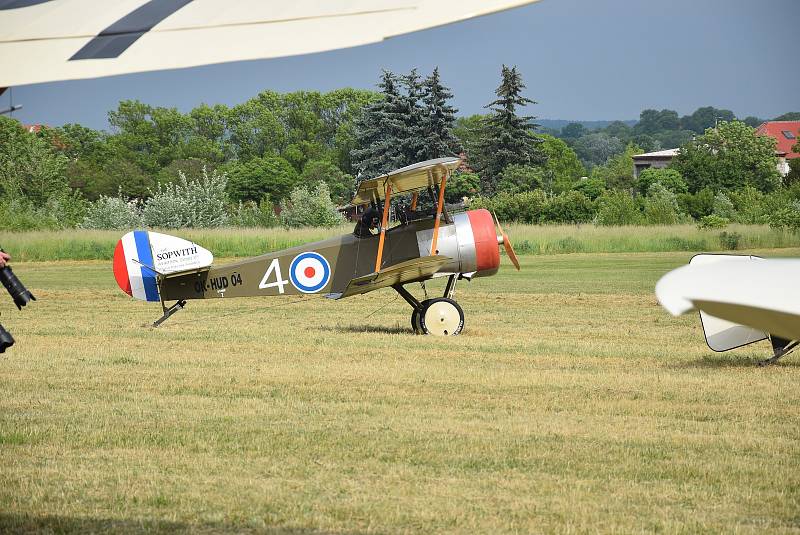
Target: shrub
{"x":617,"y":208}
{"x":252,"y":215}
{"x":256,"y":178}
{"x":462,"y":185}
{"x":112,"y":213}
{"x":712,"y":222}
{"x":520,"y":178}
{"x":310,"y":208}
{"x":749,"y":205}
{"x":730,"y":240}
{"x":698,"y":204}
{"x":568,"y":207}
{"x":723,"y":207}
{"x":197,"y":202}
{"x":787,"y":217}
{"x":661,"y":206}
{"x":669,"y":178}
{"x":591,"y":187}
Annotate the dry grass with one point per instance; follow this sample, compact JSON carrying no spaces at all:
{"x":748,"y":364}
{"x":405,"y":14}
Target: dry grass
{"x":571,"y":403}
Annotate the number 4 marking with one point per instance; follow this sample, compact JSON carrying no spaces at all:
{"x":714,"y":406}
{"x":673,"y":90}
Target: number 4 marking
{"x":274,"y":267}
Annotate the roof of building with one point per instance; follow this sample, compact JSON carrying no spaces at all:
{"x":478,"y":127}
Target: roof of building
{"x":669,"y":153}
{"x":786,"y":133}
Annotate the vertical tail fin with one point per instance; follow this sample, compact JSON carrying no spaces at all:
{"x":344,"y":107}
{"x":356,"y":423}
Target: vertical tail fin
{"x":139,"y":251}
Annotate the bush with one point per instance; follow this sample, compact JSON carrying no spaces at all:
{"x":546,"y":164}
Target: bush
{"x":749,"y":205}
{"x":112,"y":213}
{"x":697,"y":205}
{"x":617,"y":208}
{"x":669,"y":178}
{"x":310,"y":208}
{"x":461,"y":186}
{"x":254,"y":179}
{"x":197,"y":202}
{"x":59,"y":212}
{"x":787,"y":218}
{"x":712,"y":222}
{"x":730,"y":241}
{"x":568,"y":207}
{"x":661,"y":206}
{"x":591,"y":187}
{"x":520,"y":178}
{"x":252,"y":215}
{"x":723,"y":207}
{"x":527,"y":207}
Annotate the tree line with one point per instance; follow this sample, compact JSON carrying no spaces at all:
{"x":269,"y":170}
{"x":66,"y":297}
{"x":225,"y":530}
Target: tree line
{"x":287,"y":150}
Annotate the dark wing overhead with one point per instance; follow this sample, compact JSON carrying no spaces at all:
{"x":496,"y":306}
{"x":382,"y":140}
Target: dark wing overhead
{"x":49,"y":40}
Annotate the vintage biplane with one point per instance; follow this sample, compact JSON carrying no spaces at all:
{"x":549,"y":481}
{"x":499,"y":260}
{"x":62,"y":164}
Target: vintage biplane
{"x":741,"y":299}
{"x":422,"y":244}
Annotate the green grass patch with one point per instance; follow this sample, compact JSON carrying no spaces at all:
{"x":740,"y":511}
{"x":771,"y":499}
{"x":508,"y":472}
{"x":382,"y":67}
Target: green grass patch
{"x":527,"y":239}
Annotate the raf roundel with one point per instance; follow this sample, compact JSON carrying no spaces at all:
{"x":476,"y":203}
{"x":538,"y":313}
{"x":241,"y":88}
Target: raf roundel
{"x":309,"y":272}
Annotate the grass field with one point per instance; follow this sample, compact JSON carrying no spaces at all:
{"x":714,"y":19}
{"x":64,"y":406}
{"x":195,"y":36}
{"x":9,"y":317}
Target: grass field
{"x":571,"y":403}
{"x":528,"y":239}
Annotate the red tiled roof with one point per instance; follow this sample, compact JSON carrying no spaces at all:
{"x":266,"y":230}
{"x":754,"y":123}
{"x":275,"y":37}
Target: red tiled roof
{"x":776,"y":129}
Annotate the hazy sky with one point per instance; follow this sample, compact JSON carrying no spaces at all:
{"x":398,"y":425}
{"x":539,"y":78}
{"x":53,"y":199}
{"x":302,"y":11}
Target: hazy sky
{"x":581,"y":59}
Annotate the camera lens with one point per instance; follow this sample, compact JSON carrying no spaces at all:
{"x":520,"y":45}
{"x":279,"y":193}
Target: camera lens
{"x":15,"y":288}
{"x":6,"y":340}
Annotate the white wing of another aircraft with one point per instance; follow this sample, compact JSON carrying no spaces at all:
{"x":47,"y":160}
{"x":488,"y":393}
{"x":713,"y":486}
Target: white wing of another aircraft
{"x":763,"y":294}
{"x":48,"y":40}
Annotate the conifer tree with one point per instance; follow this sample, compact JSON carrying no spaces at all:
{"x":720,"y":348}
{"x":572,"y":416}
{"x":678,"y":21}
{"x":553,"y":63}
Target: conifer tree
{"x":380,"y":131}
{"x":507,"y":138}
{"x":439,"y":119}
{"x":413,"y":138}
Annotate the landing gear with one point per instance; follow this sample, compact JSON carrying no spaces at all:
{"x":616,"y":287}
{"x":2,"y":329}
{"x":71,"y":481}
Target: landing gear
{"x":440,"y":316}
{"x":780,"y":347}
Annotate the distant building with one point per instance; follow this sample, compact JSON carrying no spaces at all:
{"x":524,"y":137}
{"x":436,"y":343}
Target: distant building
{"x":657,"y":160}
{"x":787,"y":135}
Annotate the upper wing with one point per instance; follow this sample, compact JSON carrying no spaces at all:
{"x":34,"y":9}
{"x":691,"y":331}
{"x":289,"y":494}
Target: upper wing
{"x":48,"y":40}
{"x":764,"y":295}
{"x":410,"y":178}
{"x":408,"y":271}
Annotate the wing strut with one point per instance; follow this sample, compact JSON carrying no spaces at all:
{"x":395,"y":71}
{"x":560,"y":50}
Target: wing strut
{"x":439,"y":207}
{"x":384,"y":226}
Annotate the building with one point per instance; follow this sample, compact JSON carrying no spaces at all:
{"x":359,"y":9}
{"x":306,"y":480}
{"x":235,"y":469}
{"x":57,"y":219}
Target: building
{"x":657,"y":160}
{"x":787,"y":135}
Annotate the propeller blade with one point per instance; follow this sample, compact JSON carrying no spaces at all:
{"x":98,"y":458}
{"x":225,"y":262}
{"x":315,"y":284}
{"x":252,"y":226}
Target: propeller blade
{"x":507,"y":243}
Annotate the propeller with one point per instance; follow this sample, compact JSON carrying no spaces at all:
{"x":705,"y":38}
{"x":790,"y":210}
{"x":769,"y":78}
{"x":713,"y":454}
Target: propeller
{"x":503,"y":238}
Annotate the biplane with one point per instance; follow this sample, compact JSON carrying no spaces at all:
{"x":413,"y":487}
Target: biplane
{"x":422,"y":244}
{"x":741,"y":300}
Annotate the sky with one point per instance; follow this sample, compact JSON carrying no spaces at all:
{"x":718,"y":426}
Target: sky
{"x":580,"y":60}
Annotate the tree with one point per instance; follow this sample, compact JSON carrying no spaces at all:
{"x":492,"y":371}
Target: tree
{"x":752,"y":121}
{"x":439,"y":120}
{"x":573,"y":131}
{"x":562,"y":168}
{"x":340,"y":184}
{"x":310,"y":208}
{"x":380,"y":131}
{"x":790,"y":116}
{"x":519,"y":178}
{"x":729,"y":156}
{"x":507,"y":138}
{"x":257,"y":178}
{"x":669,"y":178}
{"x":596,"y":148}
{"x":618,"y":171}
{"x":704,"y":118}
{"x":414,"y":135}
{"x":468,"y":131}
{"x":653,"y":121}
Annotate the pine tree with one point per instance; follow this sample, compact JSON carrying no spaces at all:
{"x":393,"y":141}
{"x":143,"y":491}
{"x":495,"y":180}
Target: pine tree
{"x":439,"y":120}
{"x":413,"y":138}
{"x":380,"y":131}
{"x":507,"y":137}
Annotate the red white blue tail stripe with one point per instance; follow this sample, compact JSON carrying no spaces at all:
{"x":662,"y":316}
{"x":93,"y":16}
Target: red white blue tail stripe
{"x":135,"y":279}
{"x":141,"y":255}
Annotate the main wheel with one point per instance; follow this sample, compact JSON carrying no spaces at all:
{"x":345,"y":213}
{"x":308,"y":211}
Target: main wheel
{"x":416,"y":324}
{"x":442,"y":317}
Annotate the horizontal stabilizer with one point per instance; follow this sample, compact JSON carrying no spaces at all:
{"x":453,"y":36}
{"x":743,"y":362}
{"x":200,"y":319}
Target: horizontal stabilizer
{"x":142,"y":256}
{"x":762,"y":294}
{"x":408,"y":271}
